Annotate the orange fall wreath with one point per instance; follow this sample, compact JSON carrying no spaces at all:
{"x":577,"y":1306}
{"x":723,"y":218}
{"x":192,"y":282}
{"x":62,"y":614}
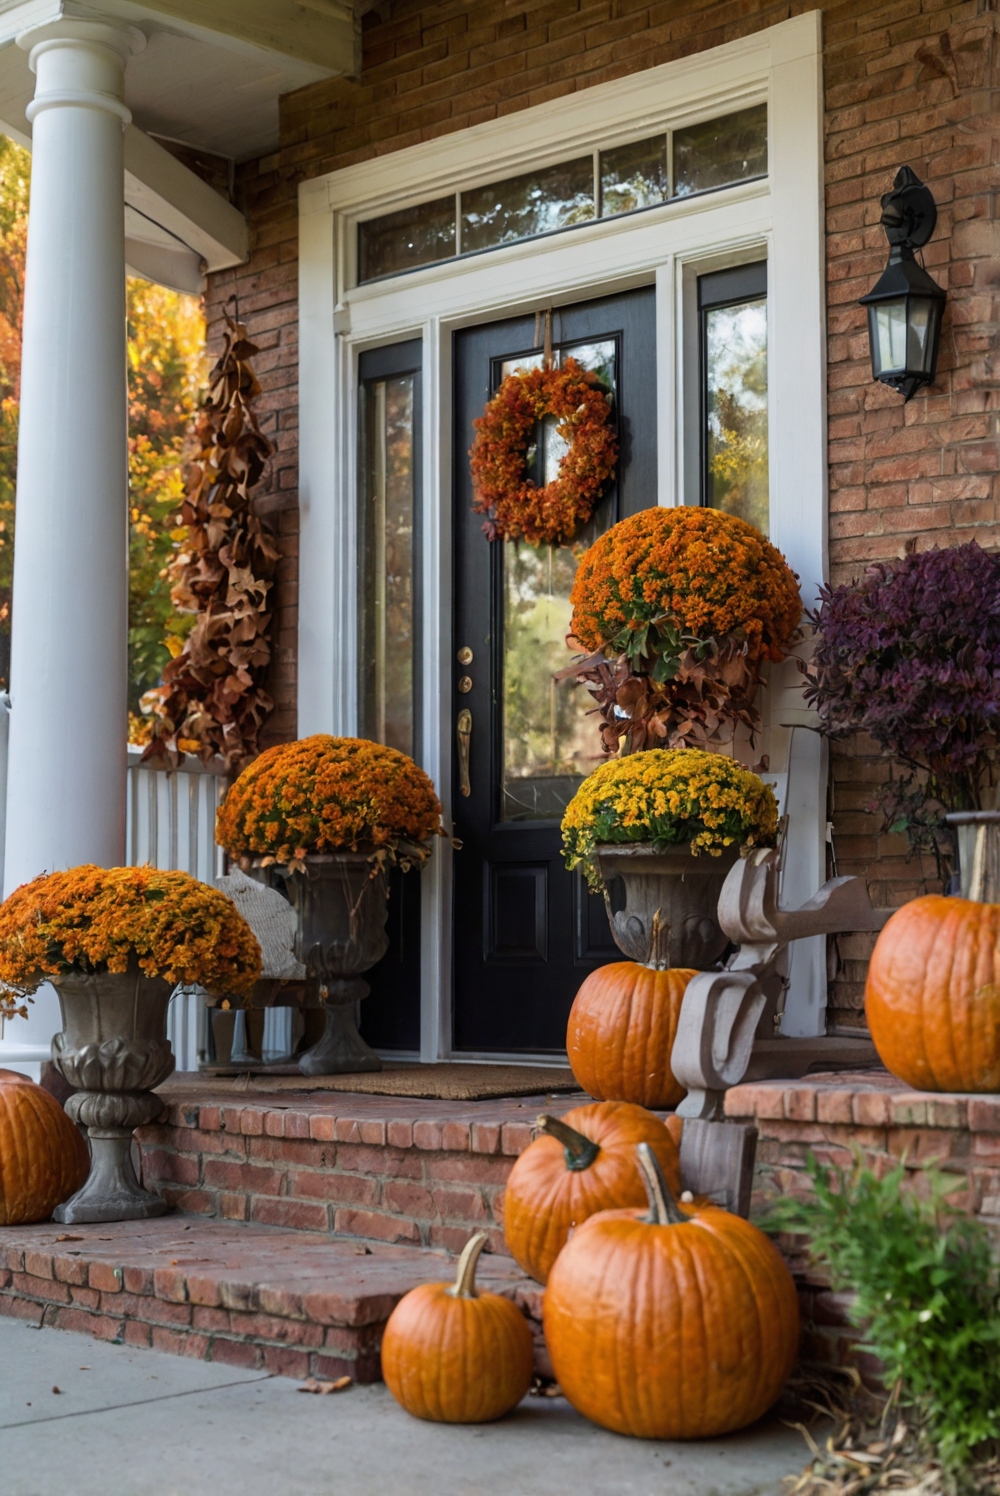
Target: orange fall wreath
{"x":513,"y":504}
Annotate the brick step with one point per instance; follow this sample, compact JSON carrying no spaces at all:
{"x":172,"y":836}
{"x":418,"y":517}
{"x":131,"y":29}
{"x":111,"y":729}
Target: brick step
{"x":290,"y":1302}
{"x":390,"y":1169}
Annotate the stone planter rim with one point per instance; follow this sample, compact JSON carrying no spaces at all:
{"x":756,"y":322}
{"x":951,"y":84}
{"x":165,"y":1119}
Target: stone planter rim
{"x":680,"y":852}
{"x":972,"y":817}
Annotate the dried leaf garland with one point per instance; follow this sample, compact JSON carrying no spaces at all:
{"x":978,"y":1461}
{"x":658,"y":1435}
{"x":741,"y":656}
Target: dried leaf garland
{"x":212,"y":700}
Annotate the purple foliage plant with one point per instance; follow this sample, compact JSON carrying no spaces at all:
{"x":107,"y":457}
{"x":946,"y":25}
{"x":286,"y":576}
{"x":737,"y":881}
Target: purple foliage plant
{"x":910,"y":655}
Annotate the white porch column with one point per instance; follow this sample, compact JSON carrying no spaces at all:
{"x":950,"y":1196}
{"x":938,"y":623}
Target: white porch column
{"x":67,"y":757}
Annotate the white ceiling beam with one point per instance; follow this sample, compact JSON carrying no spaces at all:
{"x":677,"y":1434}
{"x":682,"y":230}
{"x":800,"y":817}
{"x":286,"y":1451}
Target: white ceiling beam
{"x":165,"y":191}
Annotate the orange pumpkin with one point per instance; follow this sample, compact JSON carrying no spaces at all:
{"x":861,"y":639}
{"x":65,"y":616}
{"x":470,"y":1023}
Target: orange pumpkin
{"x":454,"y":1354}
{"x":621,"y":1031}
{"x":43,"y":1158}
{"x":671,"y":1324}
{"x":933,"y":995}
{"x":582,"y":1163}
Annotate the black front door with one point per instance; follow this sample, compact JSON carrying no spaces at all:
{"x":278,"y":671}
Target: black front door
{"x":526,"y":931}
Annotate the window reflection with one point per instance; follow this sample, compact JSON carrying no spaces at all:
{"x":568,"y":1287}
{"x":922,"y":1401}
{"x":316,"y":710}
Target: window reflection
{"x":535,"y":203}
{"x":719,"y":151}
{"x":403,"y":240}
{"x":634,"y":176}
{"x":624,"y":179}
{"x":388,"y":617}
{"x":735,"y":365}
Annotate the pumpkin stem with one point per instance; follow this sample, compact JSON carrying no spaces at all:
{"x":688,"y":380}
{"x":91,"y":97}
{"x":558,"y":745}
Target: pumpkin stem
{"x":465,"y":1279}
{"x":580,"y":1151}
{"x":663,"y":1208}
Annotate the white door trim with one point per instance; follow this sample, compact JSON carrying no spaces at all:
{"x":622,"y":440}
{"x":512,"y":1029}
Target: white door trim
{"x":780,"y":217}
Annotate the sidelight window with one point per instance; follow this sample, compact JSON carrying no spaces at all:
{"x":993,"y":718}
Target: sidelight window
{"x":734,"y":445}
{"x":389,"y":481}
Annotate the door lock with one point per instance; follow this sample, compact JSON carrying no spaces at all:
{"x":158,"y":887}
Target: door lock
{"x":465,"y":684}
{"x":463,"y":731}
{"x":464,"y":655}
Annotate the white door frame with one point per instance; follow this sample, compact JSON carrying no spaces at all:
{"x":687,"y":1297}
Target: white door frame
{"x":780,"y":217}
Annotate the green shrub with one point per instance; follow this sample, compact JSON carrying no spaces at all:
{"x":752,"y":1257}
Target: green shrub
{"x":927,"y":1293}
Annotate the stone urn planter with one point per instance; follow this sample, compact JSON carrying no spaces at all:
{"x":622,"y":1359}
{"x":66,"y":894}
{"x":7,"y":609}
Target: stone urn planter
{"x":113,"y":1048}
{"x":342,"y":910}
{"x":670,"y":917}
{"x":977,"y":836}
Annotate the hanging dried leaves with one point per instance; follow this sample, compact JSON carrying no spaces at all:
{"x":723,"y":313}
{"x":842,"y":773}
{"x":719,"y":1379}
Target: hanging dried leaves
{"x":212,"y":700}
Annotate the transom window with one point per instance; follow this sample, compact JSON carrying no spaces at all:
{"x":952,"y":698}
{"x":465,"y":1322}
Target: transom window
{"x":599,"y":184}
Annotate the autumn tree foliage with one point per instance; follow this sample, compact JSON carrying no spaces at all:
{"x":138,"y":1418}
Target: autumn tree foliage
{"x":166,"y":364}
{"x":14,"y":187}
{"x":212,"y":700}
{"x":166,"y":337}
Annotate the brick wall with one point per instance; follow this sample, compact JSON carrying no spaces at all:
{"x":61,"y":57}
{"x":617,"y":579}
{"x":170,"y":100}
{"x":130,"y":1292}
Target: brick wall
{"x":910,"y":81}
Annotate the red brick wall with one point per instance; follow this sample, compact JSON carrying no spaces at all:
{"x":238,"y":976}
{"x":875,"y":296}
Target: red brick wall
{"x":906,"y":81}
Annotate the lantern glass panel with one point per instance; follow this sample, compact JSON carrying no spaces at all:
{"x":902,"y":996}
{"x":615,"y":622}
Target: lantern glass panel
{"x":922,"y":319}
{"x":888,"y":336}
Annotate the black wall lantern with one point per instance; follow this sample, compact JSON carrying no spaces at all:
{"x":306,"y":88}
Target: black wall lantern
{"x":904,"y":308}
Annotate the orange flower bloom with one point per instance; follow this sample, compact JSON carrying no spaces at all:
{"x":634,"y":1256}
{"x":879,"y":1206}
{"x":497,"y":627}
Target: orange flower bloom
{"x":709,"y":573}
{"x":506,"y":429}
{"x":326,"y":794}
{"x":91,"y":919}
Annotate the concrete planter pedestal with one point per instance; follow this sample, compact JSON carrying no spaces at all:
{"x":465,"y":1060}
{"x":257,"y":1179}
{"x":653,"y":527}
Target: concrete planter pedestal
{"x":342,"y":909}
{"x":670,"y":917}
{"x":113,"y":1049}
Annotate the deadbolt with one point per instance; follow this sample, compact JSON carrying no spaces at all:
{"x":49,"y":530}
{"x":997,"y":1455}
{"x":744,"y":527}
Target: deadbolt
{"x":464,"y":655}
{"x":465,"y":684}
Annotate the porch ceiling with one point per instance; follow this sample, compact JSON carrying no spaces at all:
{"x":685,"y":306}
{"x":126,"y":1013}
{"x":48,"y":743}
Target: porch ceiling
{"x":209,"y":77}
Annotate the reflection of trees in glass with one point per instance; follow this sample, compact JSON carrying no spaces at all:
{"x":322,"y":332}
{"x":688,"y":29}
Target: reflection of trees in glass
{"x":546,"y":732}
{"x":387,"y":478}
{"x":397,"y":682}
{"x":535,"y":203}
{"x":634,"y":176}
{"x":403,"y":240}
{"x":718,"y":151}
{"x":736,"y":477}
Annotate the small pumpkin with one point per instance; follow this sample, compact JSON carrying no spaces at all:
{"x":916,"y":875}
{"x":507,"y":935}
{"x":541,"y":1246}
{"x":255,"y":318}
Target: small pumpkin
{"x":43,"y":1157}
{"x":455,"y":1354}
{"x":621,"y":1031}
{"x":673,"y":1324}
{"x":582,"y":1163}
{"x":932,"y":997}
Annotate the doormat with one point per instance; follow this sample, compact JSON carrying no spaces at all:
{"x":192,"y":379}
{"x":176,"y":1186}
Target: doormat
{"x":440,"y":1082}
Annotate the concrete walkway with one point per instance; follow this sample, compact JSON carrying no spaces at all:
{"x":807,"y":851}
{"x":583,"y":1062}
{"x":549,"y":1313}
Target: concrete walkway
{"x":139,"y":1423}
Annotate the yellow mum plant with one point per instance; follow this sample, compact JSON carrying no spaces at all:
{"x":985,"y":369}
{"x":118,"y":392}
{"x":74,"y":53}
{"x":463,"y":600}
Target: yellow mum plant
{"x":668,"y":796}
{"x":91,"y":919}
{"x":324,"y":794}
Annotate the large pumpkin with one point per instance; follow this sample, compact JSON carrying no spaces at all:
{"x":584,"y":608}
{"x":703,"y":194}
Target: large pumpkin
{"x":670,"y":1324}
{"x":455,"y":1354}
{"x":933,"y":995}
{"x":621,"y":1031}
{"x":583,"y":1163}
{"x":43,"y":1158}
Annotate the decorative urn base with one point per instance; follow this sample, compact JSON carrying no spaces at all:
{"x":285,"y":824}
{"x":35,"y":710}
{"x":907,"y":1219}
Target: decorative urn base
{"x":342,"y":905}
{"x":114,"y":1050}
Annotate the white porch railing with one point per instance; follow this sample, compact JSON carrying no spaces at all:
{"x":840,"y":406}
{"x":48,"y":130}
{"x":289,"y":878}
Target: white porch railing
{"x":170,"y":823}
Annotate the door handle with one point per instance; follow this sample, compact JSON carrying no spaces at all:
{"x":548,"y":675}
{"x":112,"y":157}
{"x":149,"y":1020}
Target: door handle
{"x":463,"y":731}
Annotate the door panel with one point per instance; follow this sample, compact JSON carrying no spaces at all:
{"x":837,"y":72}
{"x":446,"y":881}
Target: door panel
{"x":526,"y":931}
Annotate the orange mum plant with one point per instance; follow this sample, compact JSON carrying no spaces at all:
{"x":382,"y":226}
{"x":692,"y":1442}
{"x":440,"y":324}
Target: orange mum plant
{"x":680,"y":608}
{"x":92,"y":919}
{"x":324,"y":794}
{"x":504,"y":432}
